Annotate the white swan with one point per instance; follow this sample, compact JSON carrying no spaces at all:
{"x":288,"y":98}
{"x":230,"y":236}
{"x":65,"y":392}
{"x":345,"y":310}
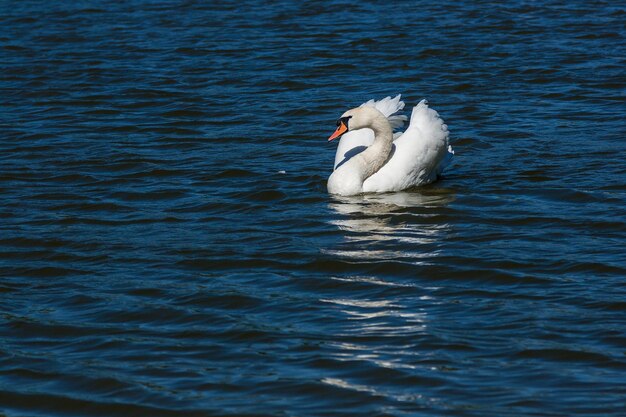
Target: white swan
{"x":368,"y":158}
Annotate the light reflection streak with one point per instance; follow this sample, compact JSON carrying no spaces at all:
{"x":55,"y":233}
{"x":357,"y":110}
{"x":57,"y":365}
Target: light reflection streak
{"x":399,"y":227}
{"x":390,"y":226}
{"x":340,"y":383}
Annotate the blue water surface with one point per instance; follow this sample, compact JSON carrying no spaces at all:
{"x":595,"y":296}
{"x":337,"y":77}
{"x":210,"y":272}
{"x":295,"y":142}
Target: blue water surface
{"x":168,"y":247}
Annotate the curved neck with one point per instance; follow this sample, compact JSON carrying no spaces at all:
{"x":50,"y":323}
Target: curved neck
{"x":377,"y":154}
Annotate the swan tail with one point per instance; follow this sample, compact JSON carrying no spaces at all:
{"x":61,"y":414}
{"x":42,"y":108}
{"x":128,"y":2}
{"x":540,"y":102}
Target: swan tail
{"x":434,"y":132}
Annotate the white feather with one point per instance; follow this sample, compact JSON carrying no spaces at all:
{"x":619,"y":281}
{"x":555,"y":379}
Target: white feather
{"x":356,"y":141}
{"x":420,"y":154}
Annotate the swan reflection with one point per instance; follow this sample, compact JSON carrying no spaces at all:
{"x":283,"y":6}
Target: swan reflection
{"x":391,"y":226}
{"x":387,"y":313}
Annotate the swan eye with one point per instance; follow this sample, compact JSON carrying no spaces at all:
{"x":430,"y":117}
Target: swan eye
{"x":343,"y":120}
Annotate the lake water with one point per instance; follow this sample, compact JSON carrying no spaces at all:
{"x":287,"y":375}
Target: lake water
{"x":168,"y":247}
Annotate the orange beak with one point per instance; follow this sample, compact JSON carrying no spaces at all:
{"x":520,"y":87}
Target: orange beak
{"x":340,"y":131}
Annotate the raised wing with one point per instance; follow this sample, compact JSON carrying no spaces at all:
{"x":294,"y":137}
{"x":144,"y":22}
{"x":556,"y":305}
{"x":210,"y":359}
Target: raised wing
{"x":419,"y":155}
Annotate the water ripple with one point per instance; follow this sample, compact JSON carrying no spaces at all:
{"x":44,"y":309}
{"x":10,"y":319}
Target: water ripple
{"x":168,"y":247}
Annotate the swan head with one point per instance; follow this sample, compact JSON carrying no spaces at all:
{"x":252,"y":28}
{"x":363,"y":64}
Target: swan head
{"x":354,"y":119}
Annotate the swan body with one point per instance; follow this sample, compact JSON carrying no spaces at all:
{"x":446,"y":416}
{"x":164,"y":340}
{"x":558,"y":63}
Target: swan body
{"x":371,"y":159}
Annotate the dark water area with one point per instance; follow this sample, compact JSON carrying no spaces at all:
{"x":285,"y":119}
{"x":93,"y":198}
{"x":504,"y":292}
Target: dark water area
{"x":168,"y":247}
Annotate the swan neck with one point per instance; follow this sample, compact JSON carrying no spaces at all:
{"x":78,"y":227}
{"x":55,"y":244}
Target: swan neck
{"x":377,"y":154}
{"x":382,"y":130}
